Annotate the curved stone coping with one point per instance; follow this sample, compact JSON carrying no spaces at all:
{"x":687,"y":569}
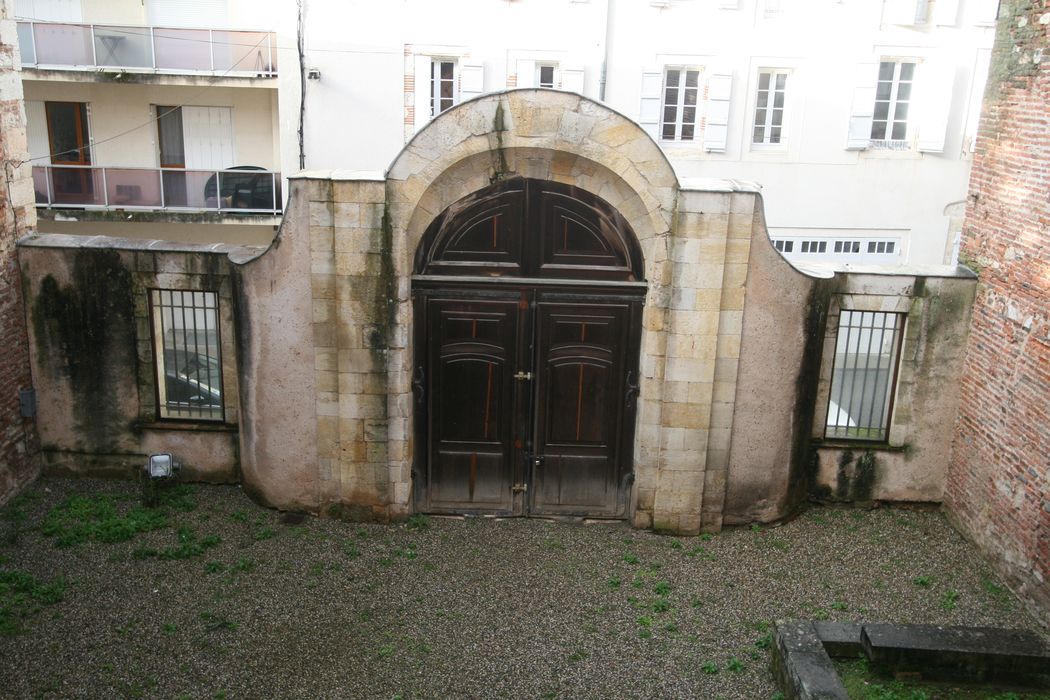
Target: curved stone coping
{"x":62,"y":240}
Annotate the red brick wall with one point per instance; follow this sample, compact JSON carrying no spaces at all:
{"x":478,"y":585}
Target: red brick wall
{"x":999,"y":478}
{"x":18,"y":448}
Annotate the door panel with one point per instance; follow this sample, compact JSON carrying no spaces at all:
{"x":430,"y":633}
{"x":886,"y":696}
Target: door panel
{"x":580,"y":388}
{"x":471,"y":404}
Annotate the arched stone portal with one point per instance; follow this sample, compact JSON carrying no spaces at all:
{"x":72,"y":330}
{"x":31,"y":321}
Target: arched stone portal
{"x":353,"y":239}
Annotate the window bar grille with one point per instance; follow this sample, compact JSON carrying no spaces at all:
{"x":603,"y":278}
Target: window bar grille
{"x":186,"y":347}
{"x":864,"y":414}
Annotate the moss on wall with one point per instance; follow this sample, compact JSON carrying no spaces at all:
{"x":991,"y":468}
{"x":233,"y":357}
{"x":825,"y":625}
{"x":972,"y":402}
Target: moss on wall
{"x":85,"y":331}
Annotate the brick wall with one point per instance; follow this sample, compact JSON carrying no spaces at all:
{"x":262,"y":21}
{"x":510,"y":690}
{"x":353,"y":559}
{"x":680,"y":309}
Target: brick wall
{"x":18,"y":449}
{"x":999,"y":478}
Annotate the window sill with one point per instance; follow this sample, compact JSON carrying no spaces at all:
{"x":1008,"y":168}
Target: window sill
{"x":193,"y":426}
{"x":840,"y":444}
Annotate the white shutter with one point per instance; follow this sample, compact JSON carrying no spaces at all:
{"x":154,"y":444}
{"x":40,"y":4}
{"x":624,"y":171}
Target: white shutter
{"x":649,"y":111}
{"x":716,"y":129}
{"x":36,"y":131}
{"x":207,"y":134}
{"x":187,"y":13}
{"x":863,"y":109}
{"x":903,"y":12}
{"x":422,"y":83}
{"x":471,"y":81}
{"x":946,"y":13}
{"x":934,"y":99}
{"x":526,"y":73}
{"x":572,"y":78}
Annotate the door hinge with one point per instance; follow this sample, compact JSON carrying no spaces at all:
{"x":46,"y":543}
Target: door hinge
{"x":523,"y":376}
{"x":519,"y":488}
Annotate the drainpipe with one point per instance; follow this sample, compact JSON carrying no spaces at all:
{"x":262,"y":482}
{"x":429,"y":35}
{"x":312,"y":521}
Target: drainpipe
{"x":302,"y":86}
{"x":608,"y":41}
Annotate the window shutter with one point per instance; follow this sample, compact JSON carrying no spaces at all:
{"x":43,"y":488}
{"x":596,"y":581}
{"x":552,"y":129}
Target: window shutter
{"x":946,"y":13}
{"x":526,"y":73}
{"x":934,"y":97}
{"x":863,"y":110}
{"x":422,"y":101}
{"x":471,"y":81}
{"x":716,"y":129}
{"x":903,"y":12}
{"x":649,"y":111}
{"x":36,"y":131}
{"x":572,"y":78}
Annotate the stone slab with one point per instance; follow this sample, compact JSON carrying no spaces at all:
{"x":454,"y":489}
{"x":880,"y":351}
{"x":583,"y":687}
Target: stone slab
{"x":803,"y":669}
{"x":840,"y":639}
{"x":957,"y":653}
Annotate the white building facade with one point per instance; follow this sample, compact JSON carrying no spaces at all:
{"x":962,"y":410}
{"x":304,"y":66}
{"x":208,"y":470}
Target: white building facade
{"x":856,"y":117}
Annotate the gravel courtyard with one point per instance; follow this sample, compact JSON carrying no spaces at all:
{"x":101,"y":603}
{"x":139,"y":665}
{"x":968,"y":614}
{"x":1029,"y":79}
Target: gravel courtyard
{"x":212,"y":596}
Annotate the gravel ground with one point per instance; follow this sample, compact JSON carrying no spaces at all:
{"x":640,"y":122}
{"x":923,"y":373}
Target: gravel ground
{"x":474,"y":608}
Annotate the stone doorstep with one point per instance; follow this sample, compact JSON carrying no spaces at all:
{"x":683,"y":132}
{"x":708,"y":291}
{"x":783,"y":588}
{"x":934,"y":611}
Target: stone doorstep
{"x":802,"y":654}
{"x":957,"y":653}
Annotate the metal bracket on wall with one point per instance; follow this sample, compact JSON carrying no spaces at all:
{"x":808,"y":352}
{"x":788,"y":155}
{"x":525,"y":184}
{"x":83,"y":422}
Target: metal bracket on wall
{"x":27,"y":402}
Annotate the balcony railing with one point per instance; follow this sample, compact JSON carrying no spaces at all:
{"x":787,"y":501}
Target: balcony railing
{"x":151,"y":189}
{"x":157,"y":49}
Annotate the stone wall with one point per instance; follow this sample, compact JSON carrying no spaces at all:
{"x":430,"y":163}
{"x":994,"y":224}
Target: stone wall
{"x":911,"y":465}
{"x":92,"y":354}
{"x":19,"y":463}
{"x":999,"y":478}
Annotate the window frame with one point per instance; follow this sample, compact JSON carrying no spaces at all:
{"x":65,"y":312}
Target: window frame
{"x":681,"y":87}
{"x":768,"y":126}
{"x":157,"y":351}
{"x":887,"y":142}
{"x":555,"y":78}
{"x":840,"y":433}
{"x":436,"y":80}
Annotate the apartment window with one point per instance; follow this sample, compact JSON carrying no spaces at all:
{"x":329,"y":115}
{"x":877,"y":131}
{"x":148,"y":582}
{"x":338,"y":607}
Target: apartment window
{"x":186,"y":354}
{"x":681,"y":91}
{"x":867,"y":351}
{"x":883,"y":247}
{"x":545,"y":76}
{"x":889,"y":125}
{"x":442,"y":85}
{"x":784,"y":246}
{"x":769,"y":108}
{"x":847,"y":246}
{"x":814,"y":246}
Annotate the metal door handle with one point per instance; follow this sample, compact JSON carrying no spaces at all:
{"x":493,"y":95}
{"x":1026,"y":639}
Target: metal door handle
{"x":523,"y":376}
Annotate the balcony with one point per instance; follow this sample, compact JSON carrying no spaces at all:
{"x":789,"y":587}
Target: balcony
{"x":238,"y":191}
{"x":159,"y":50}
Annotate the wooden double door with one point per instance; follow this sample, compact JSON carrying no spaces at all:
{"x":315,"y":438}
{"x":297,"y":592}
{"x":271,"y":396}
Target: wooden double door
{"x":530,"y":399}
{"x":527,"y":299}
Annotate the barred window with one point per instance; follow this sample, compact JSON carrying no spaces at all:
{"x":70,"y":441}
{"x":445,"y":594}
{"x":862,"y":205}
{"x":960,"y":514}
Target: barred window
{"x":867,"y":352}
{"x":186,"y":354}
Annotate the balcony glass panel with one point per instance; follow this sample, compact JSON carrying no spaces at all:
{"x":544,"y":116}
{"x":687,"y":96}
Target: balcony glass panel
{"x":189,"y":188}
{"x":246,"y":190}
{"x":63,"y":44}
{"x":182,"y":49}
{"x":244,"y":52}
{"x":125,"y":47}
{"x":132,"y":187}
{"x":77,"y":186}
{"x":25,"y":43}
{"x":40,"y":185}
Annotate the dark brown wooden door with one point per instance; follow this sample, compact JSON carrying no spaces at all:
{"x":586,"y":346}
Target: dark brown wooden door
{"x":527,"y":297}
{"x":583,"y":390}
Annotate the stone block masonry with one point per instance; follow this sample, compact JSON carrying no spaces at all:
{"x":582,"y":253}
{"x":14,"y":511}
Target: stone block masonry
{"x":998,"y":486}
{"x":19,"y":462}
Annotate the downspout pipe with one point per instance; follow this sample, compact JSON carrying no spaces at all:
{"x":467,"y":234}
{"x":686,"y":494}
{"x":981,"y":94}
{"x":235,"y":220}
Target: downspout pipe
{"x":608,"y":41}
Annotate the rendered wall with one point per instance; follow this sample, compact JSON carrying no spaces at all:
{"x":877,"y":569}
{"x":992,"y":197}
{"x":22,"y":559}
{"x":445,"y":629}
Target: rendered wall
{"x":999,"y":479}
{"x":912,"y":465}
{"x":92,"y":356}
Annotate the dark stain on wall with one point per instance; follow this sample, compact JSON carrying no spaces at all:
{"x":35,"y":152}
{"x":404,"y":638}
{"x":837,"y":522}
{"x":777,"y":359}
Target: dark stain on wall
{"x":803,"y":464}
{"x":86,"y":331}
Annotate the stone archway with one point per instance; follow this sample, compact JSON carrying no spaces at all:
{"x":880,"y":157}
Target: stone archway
{"x":354,"y":239}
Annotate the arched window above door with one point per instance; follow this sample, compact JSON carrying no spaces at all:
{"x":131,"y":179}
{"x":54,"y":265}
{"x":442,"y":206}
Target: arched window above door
{"x":532,"y":229}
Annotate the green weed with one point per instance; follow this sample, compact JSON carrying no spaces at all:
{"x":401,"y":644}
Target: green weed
{"x":22,"y":596}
